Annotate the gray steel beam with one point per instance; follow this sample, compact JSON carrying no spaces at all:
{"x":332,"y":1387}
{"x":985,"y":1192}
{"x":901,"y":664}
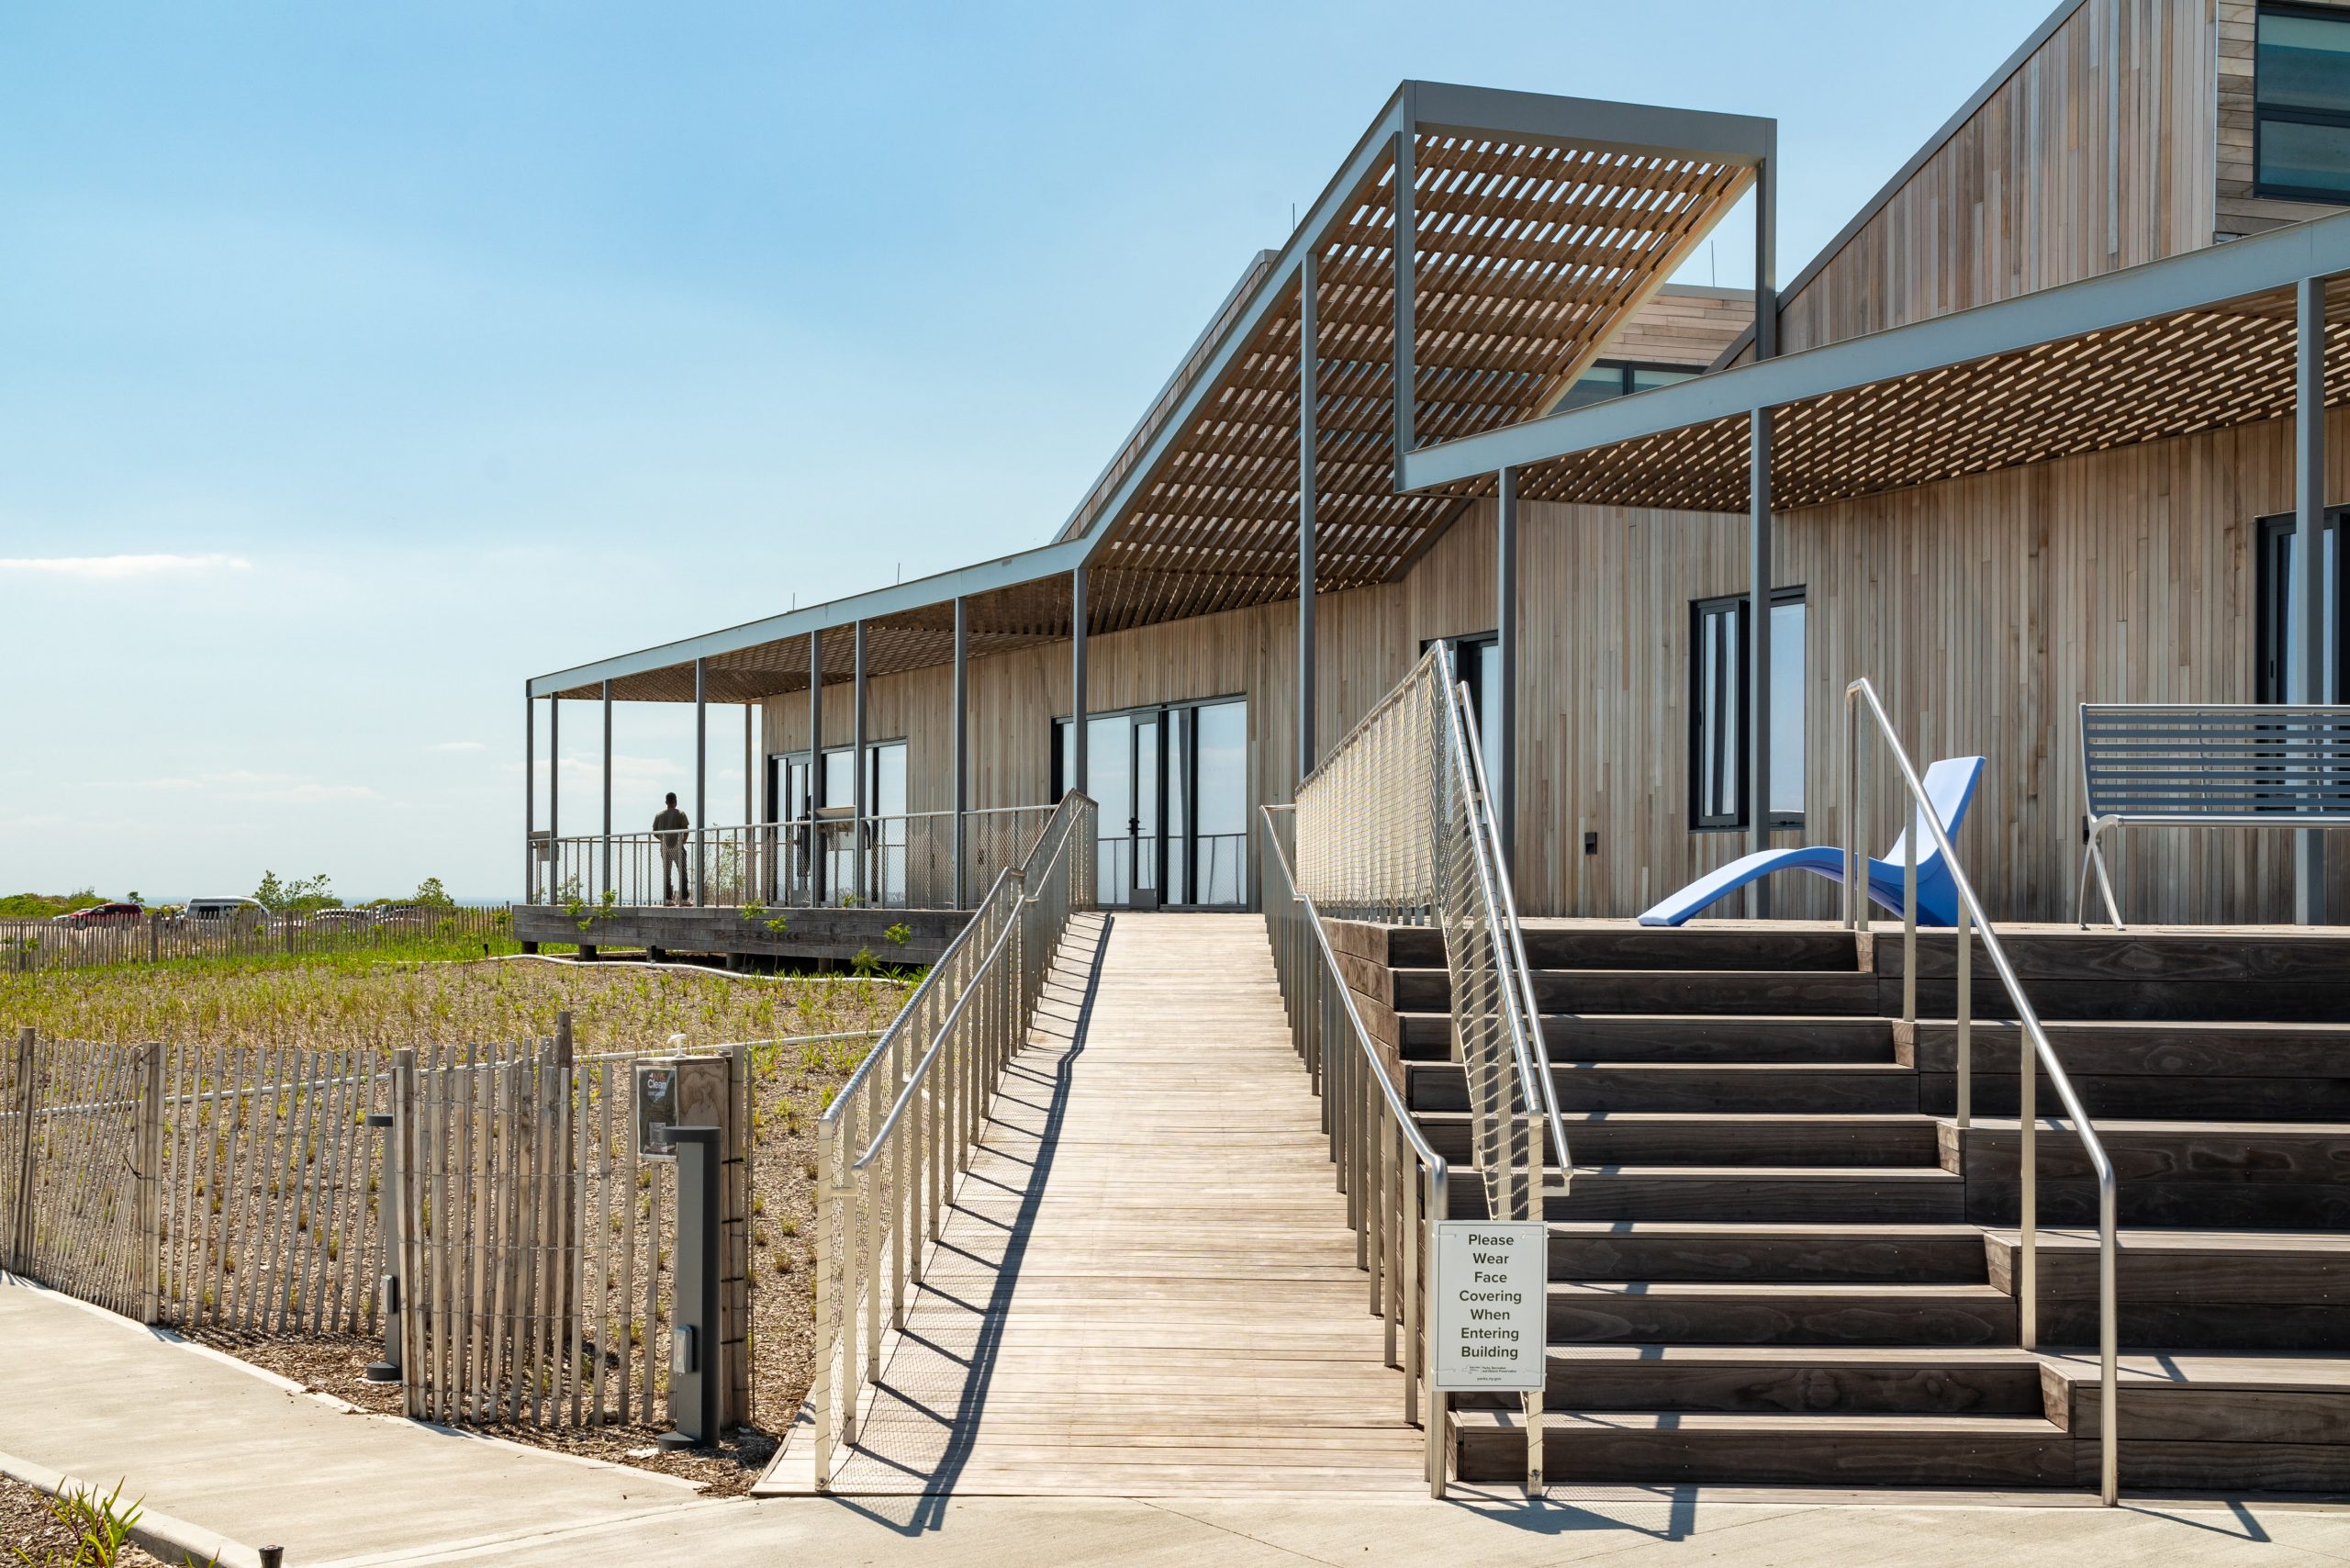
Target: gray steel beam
{"x":2311,"y":665}
{"x":554,"y":768}
{"x":608,"y":790}
{"x":1403,"y":359}
{"x":816,"y":763}
{"x":1501,"y":770}
{"x":1077,"y":681}
{"x":859,"y":805}
{"x":701,"y":785}
{"x":2258,"y":264}
{"x":1501,"y":114}
{"x":962,"y":746}
{"x":1758,"y":652}
{"x":1309,"y":394}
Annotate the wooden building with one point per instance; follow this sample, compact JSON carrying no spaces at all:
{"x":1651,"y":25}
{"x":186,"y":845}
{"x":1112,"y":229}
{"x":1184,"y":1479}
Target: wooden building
{"x":2027,"y":428}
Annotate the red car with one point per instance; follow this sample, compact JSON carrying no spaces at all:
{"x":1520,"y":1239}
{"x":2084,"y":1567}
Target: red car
{"x":104,"y":914}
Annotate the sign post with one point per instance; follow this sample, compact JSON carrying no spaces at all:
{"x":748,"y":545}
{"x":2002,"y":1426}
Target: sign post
{"x":1491,"y":1280}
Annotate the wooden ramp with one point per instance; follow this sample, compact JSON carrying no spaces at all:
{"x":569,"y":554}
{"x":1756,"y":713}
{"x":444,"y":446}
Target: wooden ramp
{"x":1146,"y":1285}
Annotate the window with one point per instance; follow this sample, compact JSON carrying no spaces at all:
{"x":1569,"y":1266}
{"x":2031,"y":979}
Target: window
{"x":2275,"y":618}
{"x":1613,"y":378}
{"x":2301,"y":103}
{"x":1477,"y":663}
{"x":1718,"y":711}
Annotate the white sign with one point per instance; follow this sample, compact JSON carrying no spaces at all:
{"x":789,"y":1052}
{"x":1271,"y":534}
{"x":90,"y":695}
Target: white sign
{"x":1490,"y":1286}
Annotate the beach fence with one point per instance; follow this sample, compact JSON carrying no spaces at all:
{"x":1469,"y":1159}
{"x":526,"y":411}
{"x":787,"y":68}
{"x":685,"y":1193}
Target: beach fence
{"x":490,"y":1204}
{"x":33,"y":947}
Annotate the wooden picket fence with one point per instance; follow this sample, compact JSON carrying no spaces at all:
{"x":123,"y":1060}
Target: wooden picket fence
{"x":272,"y":1191}
{"x":39,"y":946}
{"x":532,"y":1238}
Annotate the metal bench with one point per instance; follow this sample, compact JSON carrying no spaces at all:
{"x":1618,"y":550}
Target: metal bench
{"x":2207,"y":765}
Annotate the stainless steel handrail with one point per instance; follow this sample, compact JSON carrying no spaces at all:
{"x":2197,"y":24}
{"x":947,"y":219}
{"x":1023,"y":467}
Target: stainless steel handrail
{"x":885,"y":1176}
{"x":1369,"y":1151}
{"x":1859,"y":695}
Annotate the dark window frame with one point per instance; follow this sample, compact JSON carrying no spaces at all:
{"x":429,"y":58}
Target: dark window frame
{"x":1700,"y":610}
{"x":1625,"y":369}
{"x":2274,"y":535}
{"x":2262,"y":114}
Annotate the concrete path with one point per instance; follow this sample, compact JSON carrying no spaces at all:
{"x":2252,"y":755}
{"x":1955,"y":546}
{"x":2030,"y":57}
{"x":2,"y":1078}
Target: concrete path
{"x":1146,"y":1285}
{"x":1629,"y":1528}
{"x":248,"y":1457}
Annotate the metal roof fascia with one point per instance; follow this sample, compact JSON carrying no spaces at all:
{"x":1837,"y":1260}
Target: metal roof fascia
{"x":943,"y":587}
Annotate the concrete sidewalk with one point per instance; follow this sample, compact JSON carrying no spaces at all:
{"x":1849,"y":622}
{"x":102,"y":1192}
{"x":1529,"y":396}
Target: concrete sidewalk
{"x":1627,"y":1530}
{"x":232,"y":1451}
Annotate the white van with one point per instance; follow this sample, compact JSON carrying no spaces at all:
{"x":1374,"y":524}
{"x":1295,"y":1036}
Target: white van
{"x":224,"y":912}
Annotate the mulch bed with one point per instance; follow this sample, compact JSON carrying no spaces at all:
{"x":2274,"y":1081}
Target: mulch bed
{"x":26,"y":1526}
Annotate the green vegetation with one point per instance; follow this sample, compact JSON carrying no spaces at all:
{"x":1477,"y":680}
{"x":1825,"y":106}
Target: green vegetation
{"x":100,"y":1527}
{"x":333,"y":1002}
{"x":41,"y":906}
{"x":295,"y":895}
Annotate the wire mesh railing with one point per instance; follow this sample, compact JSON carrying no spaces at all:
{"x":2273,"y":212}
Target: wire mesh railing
{"x":903,"y":1128}
{"x":1396,"y":825}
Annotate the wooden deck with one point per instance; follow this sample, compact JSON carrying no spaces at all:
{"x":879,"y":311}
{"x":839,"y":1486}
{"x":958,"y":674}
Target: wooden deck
{"x":1147,"y":1286}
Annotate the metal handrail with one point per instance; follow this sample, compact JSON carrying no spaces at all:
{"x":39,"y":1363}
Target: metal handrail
{"x":884,"y":1176}
{"x":1859,"y":695}
{"x":1368,"y":1150}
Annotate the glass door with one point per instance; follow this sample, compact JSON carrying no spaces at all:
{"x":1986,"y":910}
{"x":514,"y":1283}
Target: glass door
{"x":1172,"y":787}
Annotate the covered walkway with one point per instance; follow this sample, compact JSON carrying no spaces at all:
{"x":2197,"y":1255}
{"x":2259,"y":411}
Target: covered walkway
{"x":1147,"y":1286}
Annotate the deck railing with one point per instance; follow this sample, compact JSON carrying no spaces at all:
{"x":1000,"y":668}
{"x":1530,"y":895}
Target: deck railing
{"x":904,"y":1126}
{"x":1397,"y":825}
{"x":1396,"y":1185}
{"x":905,"y":860}
{"x":1862,"y":712}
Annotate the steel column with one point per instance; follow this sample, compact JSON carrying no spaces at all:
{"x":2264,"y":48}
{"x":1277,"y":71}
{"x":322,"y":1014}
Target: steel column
{"x":859,"y":805}
{"x":816,"y":889}
{"x":962,"y":742}
{"x":1766,"y":247}
{"x":607,"y":789}
{"x":2312,"y":660}
{"x":1309,"y":393}
{"x":1758,"y":652}
{"x":1077,"y":679}
{"x":530,"y":795}
{"x":701,"y":787}
{"x":1404,"y":359}
{"x":554,"y":772}
{"x":1501,"y":770}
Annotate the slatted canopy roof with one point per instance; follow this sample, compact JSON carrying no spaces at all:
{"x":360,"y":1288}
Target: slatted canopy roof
{"x":2198,"y":342}
{"x":1539,"y":224}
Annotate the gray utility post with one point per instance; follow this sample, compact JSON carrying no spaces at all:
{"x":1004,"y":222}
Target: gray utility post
{"x":1758,"y":652}
{"x":696,"y":1373}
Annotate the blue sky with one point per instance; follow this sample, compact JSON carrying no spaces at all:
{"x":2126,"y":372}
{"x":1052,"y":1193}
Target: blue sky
{"x":358,"y":362}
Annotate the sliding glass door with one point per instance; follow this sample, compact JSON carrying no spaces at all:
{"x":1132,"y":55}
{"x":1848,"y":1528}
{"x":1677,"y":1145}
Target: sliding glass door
{"x":1173,"y":785}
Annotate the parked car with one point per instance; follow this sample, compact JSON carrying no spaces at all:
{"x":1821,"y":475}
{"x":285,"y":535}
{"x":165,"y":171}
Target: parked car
{"x":117,"y":914}
{"x":342,"y":919}
{"x":222,"y":913}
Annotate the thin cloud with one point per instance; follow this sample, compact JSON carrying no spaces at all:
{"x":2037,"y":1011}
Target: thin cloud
{"x":456,"y":745}
{"x":108,"y":567}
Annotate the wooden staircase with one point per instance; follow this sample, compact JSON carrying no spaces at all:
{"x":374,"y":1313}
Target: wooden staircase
{"x":1780,"y":1263}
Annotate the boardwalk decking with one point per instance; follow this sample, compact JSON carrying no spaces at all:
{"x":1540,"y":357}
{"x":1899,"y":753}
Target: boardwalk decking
{"x":1147,"y":1286}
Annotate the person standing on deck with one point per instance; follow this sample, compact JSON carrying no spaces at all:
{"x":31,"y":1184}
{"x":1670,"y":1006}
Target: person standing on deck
{"x":671,"y":825}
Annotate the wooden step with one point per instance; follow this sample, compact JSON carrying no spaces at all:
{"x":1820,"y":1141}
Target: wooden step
{"x":1738,"y":1313}
{"x":1672,"y":1137}
{"x":1614,"y":945}
{"x":1666,"y":1249}
{"x":1682,"y":1038}
{"x":1728,"y":1089}
{"x":2155,"y":1070}
{"x":1797,"y":1379}
{"x":2252,"y":1422}
{"x":1906,"y":1194}
{"x":1663,"y":990}
{"x":2192,"y":1290}
{"x":2223,"y":1175}
{"x":1597,"y":1448}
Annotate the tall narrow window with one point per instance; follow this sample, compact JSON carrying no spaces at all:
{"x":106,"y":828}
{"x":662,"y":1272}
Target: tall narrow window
{"x":1718,"y":713}
{"x":1477,"y":664}
{"x":2301,"y":103}
{"x":2277,"y":618}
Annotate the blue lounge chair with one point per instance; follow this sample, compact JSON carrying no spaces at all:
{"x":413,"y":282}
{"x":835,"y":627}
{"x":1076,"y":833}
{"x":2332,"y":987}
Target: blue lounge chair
{"x":1950,"y":785}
